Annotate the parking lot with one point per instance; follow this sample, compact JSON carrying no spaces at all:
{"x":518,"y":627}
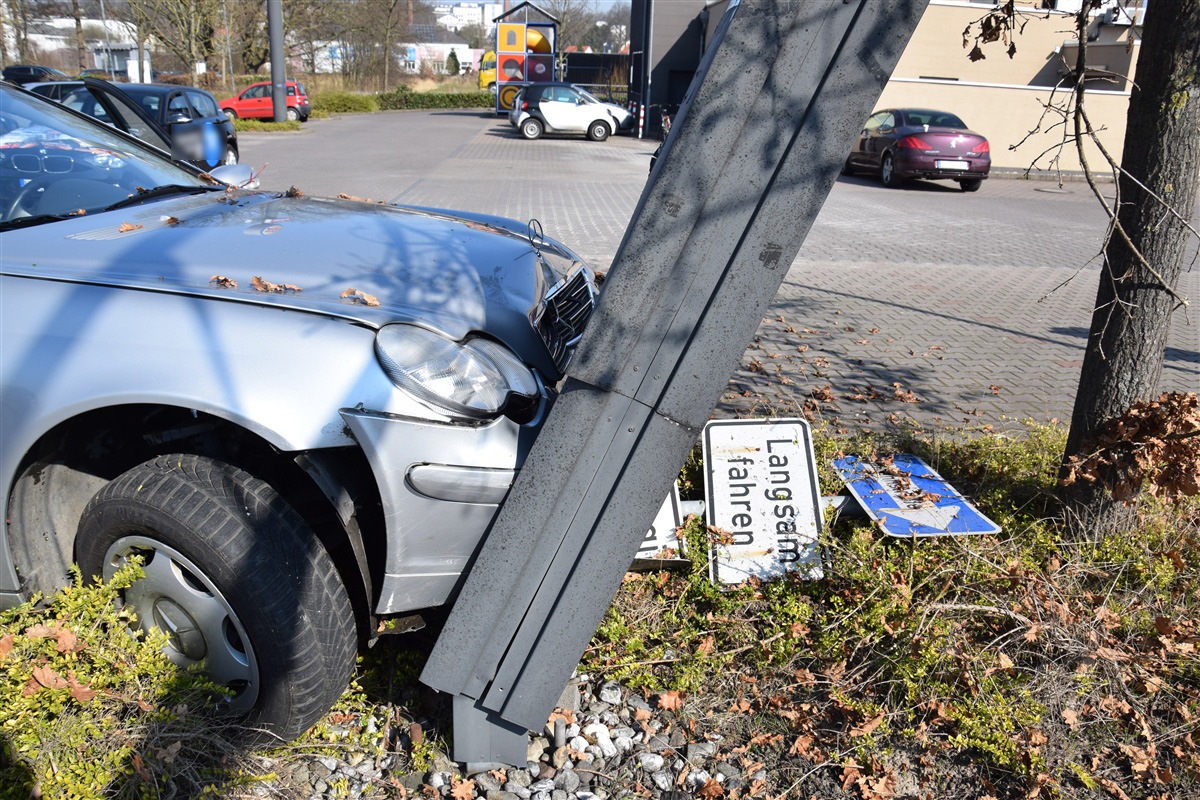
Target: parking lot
{"x":923,"y":303}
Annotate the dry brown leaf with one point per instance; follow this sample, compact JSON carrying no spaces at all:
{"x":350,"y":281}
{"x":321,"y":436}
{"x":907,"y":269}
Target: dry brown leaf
{"x":221,"y":282}
{"x":711,"y":790}
{"x":462,"y":789}
{"x":127,"y":227}
{"x":171,"y":221}
{"x":642,"y":714}
{"x":671,"y":700}
{"x":67,"y":641}
{"x":1071,"y":717}
{"x":6,"y":644}
{"x":47,"y":677}
{"x":80,"y":691}
{"x":868,"y":726}
{"x":361,"y":298}
{"x":293,"y":192}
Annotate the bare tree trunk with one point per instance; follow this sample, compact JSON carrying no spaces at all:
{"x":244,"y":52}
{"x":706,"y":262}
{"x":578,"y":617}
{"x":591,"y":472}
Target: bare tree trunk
{"x":1157,"y":189}
{"x":3,"y":38}
{"x":20,"y":24}
{"x":80,"y":45}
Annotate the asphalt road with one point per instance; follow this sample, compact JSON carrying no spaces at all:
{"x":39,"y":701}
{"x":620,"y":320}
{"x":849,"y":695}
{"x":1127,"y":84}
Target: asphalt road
{"x":922,"y":303}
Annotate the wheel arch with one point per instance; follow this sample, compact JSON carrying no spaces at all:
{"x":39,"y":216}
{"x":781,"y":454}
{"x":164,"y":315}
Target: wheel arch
{"x":333,"y":489}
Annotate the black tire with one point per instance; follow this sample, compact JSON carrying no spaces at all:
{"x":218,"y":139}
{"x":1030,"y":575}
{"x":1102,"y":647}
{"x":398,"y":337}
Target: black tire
{"x":229,"y":112}
{"x":237,"y":576}
{"x":887,"y":172}
{"x":598,"y":131}
{"x":847,"y":169}
{"x":292,"y":115}
{"x":230,"y":156}
{"x":531,"y":128}
{"x":970,"y":184}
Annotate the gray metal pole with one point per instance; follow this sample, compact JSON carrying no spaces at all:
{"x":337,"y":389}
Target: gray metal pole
{"x":278,"y":56}
{"x":755,"y":149}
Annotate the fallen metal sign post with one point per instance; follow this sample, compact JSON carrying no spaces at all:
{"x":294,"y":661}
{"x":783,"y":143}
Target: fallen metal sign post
{"x":755,"y":149}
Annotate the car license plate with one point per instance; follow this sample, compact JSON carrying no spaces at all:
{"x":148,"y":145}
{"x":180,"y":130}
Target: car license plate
{"x":959,"y":165}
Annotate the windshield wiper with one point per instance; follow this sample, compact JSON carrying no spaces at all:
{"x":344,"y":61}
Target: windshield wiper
{"x":36,"y":219}
{"x":161,"y":191}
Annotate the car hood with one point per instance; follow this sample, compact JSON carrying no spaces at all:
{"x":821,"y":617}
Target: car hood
{"x":369,"y":262}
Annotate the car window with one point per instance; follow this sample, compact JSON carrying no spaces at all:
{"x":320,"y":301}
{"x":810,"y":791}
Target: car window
{"x":300,"y":89}
{"x":54,"y":163}
{"x":150,"y":103}
{"x":291,"y":90}
{"x":204,"y":105}
{"x":887,"y":120}
{"x":255,"y":92}
{"x":875,"y":122}
{"x":81,"y":99}
{"x":178,"y":104}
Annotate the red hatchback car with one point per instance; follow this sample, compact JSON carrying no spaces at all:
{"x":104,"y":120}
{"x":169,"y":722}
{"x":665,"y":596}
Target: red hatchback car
{"x":902,"y":143}
{"x":255,"y":102}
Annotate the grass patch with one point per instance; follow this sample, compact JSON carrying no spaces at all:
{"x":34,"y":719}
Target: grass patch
{"x":1027,"y":664}
{"x":264,"y":126}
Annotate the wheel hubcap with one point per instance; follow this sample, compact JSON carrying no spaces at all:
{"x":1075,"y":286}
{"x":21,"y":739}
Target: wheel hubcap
{"x":176,"y":597}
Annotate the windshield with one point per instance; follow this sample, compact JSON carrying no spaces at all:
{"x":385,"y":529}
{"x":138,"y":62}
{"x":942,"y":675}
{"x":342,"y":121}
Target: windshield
{"x":588,"y":96}
{"x":55,"y":164}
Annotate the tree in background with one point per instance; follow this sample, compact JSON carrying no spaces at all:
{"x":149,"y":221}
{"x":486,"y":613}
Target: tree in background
{"x":184,"y":28}
{"x":452,"y":65}
{"x":1125,"y":439}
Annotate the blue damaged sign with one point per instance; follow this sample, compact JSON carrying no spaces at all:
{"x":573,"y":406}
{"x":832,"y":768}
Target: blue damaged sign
{"x":908,"y":498}
{"x":762,"y":492}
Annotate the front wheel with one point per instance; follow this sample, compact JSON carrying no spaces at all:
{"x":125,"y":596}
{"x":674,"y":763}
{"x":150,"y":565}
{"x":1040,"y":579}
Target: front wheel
{"x":292,"y":115}
{"x":598,"y":131}
{"x":531,"y":128}
{"x":229,"y":112}
{"x":970,"y":184}
{"x":235,"y":578}
{"x":887,"y":173}
{"x":230,"y":157}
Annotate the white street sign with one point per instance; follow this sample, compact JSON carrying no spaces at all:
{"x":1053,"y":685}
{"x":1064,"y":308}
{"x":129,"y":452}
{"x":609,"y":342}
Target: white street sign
{"x":761,"y":487}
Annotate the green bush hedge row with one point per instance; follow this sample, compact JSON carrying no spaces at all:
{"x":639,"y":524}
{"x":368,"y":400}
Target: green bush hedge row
{"x":398,"y":99}
{"x":404,"y":99}
{"x":345,"y":103}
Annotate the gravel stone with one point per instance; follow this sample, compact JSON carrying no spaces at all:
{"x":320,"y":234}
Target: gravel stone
{"x":520,"y":777}
{"x":567,"y":780}
{"x":699,"y":750}
{"x":651,"y":762}
{"x":663,"y":779}
{"x":486,"y":783}
{"x":518,"y":790}
{"x":610,"y":693}
{"x":545,"y":785}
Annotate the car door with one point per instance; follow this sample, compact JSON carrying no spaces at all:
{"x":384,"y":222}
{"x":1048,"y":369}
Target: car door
{"x":256,"y":102}
{"x":560,"y":108}
{"x":122,"y":112}
{"x":193,"y":137}
{"x":875,"y":138}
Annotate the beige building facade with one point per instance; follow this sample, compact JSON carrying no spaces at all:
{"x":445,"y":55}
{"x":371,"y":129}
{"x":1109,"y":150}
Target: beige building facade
{"x":1005,"y":99}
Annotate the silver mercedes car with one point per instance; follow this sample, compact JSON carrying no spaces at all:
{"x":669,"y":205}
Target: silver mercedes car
{"x":300,"y":413}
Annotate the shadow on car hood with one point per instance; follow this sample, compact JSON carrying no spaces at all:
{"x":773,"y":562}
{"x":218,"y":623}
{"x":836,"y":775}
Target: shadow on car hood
{"x":337,"y":257}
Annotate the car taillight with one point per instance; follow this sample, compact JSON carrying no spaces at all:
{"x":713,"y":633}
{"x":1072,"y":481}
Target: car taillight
{"x":524,"y":105}
{"x":982,"y":147}
{"x":913,"y":143}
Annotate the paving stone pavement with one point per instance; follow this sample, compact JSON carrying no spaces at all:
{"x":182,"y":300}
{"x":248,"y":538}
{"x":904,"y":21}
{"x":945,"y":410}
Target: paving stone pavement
{"x":923,"y":303}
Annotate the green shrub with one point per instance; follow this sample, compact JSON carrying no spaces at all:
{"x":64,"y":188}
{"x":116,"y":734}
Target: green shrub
{"x":266,"y":126}
{"x":345,"y":103}
{"x":88,"y":708}
{"x":402,"y":98}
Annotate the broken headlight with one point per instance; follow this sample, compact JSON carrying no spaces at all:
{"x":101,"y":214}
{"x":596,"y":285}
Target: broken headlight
{"x":476,"y":378}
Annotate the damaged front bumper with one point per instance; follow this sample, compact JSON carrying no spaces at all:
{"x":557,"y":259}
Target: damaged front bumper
{"x":440,"y":484}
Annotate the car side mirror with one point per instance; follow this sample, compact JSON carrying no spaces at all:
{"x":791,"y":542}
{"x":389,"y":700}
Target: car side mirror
{"x":177,"y":118}
{"x":240,"y":176}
